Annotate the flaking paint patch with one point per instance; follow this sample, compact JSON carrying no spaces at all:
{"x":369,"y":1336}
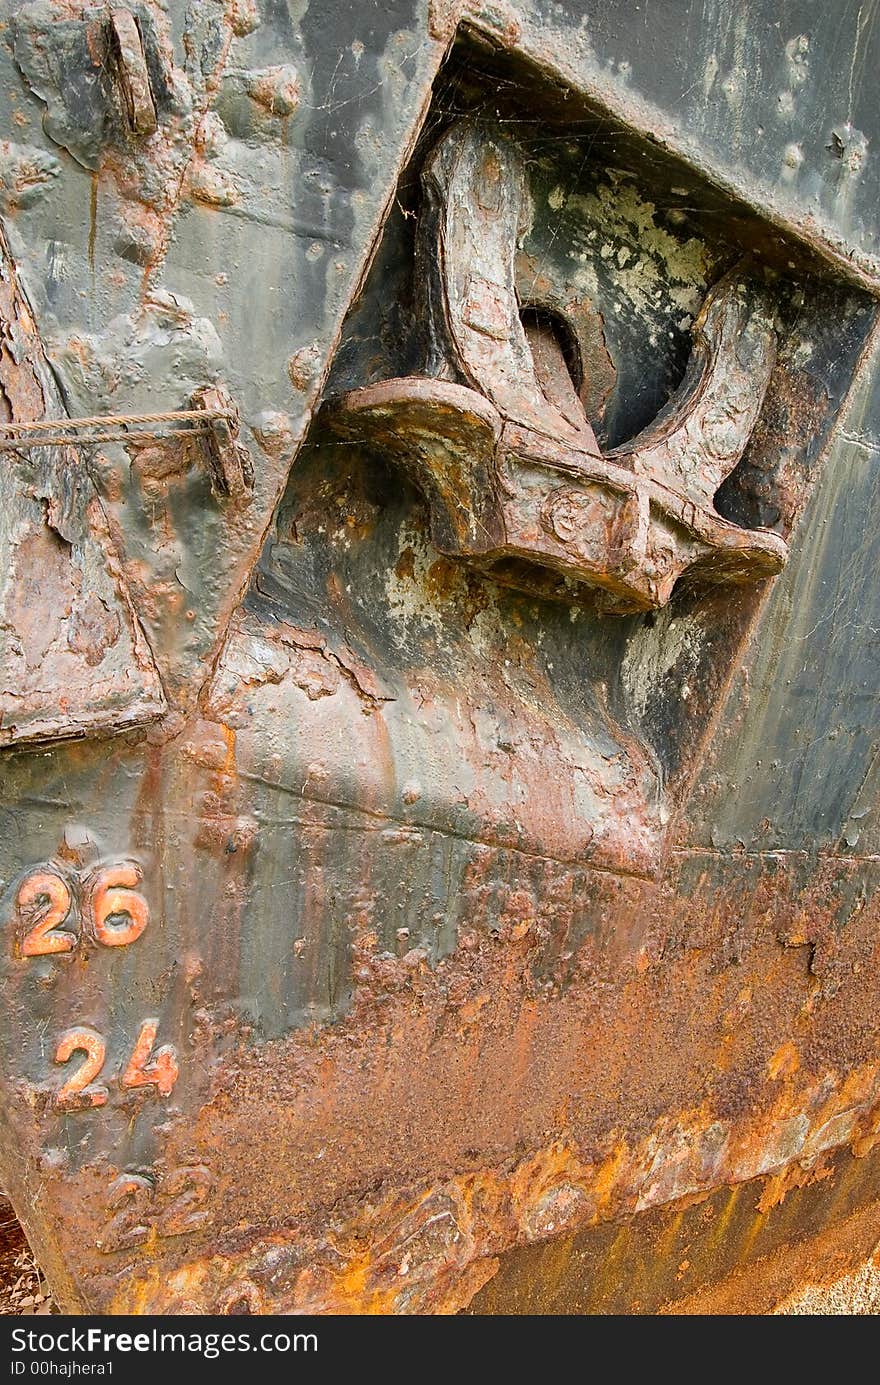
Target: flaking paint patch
{"x":659,"y":645}
{"x":408,"y":602}
{"x":660,"y":267}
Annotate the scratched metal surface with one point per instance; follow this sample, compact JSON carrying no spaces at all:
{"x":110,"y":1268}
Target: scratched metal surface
{"x":477,"y":925}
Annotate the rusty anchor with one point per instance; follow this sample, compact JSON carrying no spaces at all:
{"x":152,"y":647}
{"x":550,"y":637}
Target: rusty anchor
{"x":498,"y":440}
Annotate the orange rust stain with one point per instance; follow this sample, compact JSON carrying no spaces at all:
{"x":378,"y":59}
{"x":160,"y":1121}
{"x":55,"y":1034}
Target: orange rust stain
{"x":756,"y":1226}
{"x":228,"y":733}
{"x":667,"y":1242}
{"x":794,"y":1176}
{"x":93,"y":221}
{"x":523,"y":1039}
{"x":869,"y":1134}
{"x":556,"y":1263}
{"x":608,"y":1176}
{"x":608,"y":1278}
{"x":857,"y":1085}
{"x":724,"y":1218}
{"x":784,"y":1062}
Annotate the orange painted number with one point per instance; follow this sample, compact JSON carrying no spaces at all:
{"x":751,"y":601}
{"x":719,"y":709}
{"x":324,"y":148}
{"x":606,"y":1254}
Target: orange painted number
{"x":46,"y":893}
{"x":158,"y":1071}
{"x":114,"y":896}
{"x":79,"y":1091}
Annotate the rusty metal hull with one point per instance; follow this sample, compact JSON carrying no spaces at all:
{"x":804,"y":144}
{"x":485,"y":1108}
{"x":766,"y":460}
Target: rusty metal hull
{"x":385,"y":929}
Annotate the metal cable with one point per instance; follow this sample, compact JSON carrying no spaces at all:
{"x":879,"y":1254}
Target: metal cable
{"x":53,"y":432}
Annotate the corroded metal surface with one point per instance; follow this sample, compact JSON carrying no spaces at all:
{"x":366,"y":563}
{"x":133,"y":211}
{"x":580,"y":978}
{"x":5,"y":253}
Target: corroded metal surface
{"x":432,"y":945}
